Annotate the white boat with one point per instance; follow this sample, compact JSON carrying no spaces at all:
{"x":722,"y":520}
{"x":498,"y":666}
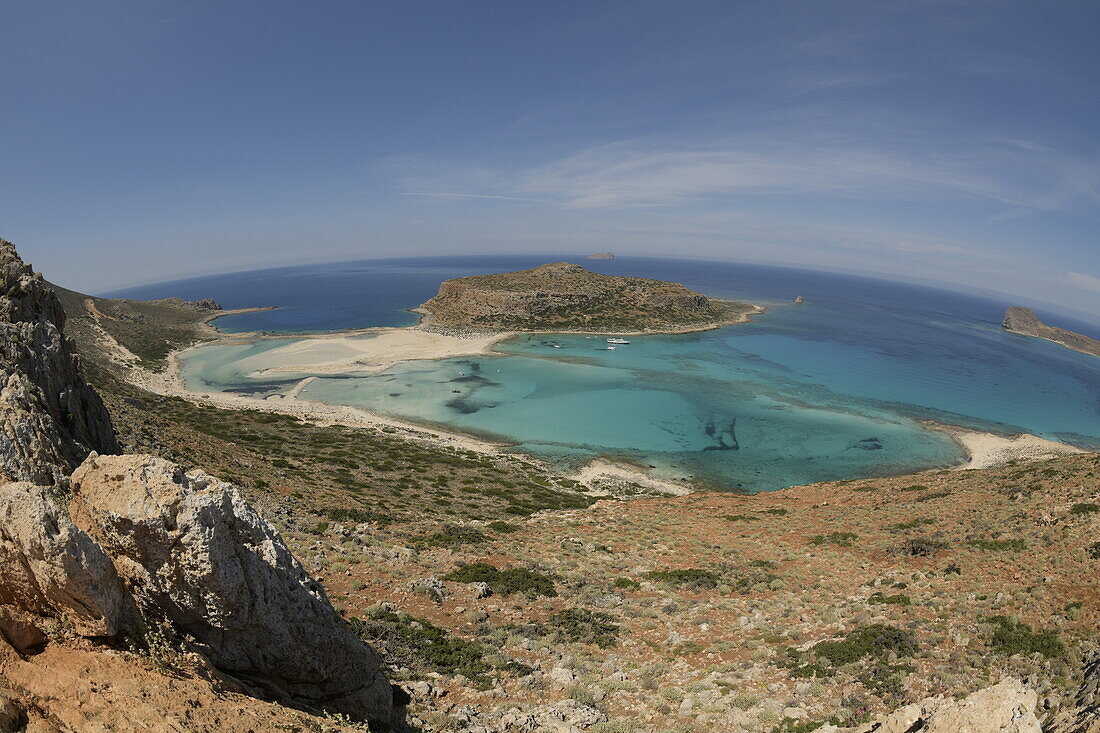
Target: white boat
{"x":617,"y":341}
{"x":611,"y":348}
{"x":556,"y":346}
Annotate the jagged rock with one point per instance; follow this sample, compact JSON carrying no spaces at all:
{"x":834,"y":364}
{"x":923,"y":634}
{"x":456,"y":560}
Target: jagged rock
{"x":193,"y":553}
{"x":50,"y":567}
{"x":1007,"y":707}
{"x":50,"y":419}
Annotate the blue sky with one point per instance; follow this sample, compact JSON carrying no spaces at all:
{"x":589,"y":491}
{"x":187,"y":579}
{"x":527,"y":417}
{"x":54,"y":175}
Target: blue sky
{"x":955,"y":142}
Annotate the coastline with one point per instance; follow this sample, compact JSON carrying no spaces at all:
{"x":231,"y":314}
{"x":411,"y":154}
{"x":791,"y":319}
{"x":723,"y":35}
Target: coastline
{"x":596,"y":475}
{"x":392,"y":345}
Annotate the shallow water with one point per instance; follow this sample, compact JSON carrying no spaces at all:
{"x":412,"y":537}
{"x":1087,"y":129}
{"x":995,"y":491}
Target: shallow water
{"x":829,"y":389}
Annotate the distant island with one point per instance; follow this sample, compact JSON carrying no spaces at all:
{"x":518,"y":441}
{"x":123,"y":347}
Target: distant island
{"x":566,"y":297}
{"x":1024,"y":321}
{"x":601,"y":256}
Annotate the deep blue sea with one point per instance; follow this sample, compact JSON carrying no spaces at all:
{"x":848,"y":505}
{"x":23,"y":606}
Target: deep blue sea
{"x":829,"y":389}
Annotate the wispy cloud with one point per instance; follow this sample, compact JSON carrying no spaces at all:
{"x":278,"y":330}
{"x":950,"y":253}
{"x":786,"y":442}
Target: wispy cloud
{"x":1083,"y":281}
{"x":658,"y":173}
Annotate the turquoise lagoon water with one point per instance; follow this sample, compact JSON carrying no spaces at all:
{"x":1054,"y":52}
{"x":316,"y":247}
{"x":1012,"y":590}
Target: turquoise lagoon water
{"x":830,"y":389}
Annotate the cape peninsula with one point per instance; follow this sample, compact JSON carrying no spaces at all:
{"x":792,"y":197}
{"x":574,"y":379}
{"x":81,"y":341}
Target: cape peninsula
{"x":564,"y":297}
{"x":1024,"y":321}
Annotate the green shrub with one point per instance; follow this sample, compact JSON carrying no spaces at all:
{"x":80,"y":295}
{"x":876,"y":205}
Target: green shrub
{"x":876,"y":640}
{"x":740,"y":518}
{"x":1084,"y":508}
{"x":586,"y":627}
{"x":693,"y":578}
{"x":1013,"y":545}
{"x":450,"y":536}
{"x":922,"y":546}
{"x":407,"y":641}
{"x":912,"y":524}
{"x":1093,"y":550}
{"x":1015,"y":637}
{"x":844,"y":539}
{"x":504,"y":582}
{"x":896,"y":600}
{"x":503,"y":527}
{"x":626,"y":584}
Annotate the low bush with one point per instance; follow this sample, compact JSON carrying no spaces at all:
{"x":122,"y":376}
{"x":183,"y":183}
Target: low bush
{"x":895,"y":600}
{"x":452,"y":535}
{"x":407,"y":641}
{"x":586,"y":627}
{"x":693,"y":578}
{"x":844,"y":539}
{"x":1010,"y":636}
{"x":922,"y":546}
{"x":504,"y":582}
{"x":1085,"y":508}
{"x":626,"y":584}
{"x":1013,"y":545}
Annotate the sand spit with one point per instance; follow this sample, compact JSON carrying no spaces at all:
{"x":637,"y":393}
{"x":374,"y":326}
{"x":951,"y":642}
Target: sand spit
{"x":376,"y":351}
{"x":989,"y":450}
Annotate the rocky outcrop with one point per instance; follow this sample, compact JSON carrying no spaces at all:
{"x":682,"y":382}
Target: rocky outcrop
{"x":562,"y":296}
{"x":130,"y":540}
{"x":52,"y":568}
{"x":50,"y":419}
{"x":191,"y":552}
{"x":1024,"y":321}
{"x":1007,"y":707}
{"x":1081,"y":713}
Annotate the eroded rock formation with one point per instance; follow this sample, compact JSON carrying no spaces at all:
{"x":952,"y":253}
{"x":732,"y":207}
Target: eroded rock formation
{"x":192,"y":552}
{"x":50,"y":419}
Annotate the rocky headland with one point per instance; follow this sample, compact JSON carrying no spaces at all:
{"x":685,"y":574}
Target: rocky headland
{"x":601,"y":256}
{"x":564,"y":297}
{"x":1024,"y":321}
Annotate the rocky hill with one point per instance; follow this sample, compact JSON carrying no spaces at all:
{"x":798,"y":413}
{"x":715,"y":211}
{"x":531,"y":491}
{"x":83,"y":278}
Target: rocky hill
{"x":1025,"y":322}
{"x":566,"y":297}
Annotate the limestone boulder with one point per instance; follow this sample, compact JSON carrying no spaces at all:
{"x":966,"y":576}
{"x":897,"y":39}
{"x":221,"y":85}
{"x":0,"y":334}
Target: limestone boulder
{"x":193,"y":553}
{"x":1006,"y":707}
{"x":49,"y":567}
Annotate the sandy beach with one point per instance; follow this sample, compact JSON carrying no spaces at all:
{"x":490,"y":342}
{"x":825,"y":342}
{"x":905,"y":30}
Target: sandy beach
{"x":371,"y":352}
{"x":988,"y":450}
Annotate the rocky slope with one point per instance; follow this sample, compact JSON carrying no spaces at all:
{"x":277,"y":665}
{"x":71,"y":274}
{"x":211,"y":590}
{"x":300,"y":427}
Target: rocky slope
{"x":1025,"y":322}
{"x":52,"y":418}
{"x":136,"y":551}
{"x":566,"y":297}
